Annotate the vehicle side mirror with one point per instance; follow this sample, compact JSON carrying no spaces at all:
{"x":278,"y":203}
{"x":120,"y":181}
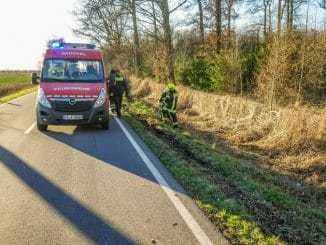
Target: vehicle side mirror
{"x":35,"y":78}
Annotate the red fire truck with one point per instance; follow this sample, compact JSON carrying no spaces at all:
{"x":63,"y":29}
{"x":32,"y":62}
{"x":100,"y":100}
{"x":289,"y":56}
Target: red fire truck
{"x":72,"y":87}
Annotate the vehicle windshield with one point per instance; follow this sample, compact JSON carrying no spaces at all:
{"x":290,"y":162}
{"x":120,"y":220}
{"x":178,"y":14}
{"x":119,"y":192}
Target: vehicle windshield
{"x":72,"y":70}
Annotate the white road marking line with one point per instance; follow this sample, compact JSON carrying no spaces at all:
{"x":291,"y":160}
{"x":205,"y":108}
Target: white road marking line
{"x":185,"y":214}
{"x":27,"y":131}
{"x":16,"y":99}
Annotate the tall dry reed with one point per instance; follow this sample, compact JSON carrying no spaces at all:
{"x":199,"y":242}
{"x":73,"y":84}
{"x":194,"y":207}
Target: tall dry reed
{"x":294,"y":138}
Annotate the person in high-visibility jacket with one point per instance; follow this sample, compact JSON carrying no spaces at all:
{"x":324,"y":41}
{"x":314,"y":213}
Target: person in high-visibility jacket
{"x":116,"y":87}
{"x":168,"y":104}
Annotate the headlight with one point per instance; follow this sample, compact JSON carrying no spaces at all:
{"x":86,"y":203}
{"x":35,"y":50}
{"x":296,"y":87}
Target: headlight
{"x":42,"y":98}
{"x":101,"y":98}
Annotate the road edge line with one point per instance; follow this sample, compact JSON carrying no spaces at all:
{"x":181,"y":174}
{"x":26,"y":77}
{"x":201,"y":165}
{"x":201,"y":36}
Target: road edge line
{"x":8,"y":102}
{"x":27,"y":131}
{"x":197,"y":231}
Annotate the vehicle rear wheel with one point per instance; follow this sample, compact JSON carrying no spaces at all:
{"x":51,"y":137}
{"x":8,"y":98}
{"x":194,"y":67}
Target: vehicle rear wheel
{"x":41,"y":127}
{"x":105,"y":125}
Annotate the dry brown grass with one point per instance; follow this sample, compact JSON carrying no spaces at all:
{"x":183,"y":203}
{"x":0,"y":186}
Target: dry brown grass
{"x":12,"y":88}
{"x":293,"y":71}
{"x":293,"y":139}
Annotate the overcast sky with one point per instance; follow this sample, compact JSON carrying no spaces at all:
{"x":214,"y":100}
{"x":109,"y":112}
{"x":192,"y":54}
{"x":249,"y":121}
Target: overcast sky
{"x":26,"y":26}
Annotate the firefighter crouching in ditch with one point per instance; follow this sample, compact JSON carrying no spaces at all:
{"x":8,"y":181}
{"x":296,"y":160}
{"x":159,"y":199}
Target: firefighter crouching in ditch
{"x":168,"y":105}
{"x":116,"y":87}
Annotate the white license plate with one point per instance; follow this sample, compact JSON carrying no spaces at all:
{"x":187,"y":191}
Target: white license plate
{"x":72,"y":117}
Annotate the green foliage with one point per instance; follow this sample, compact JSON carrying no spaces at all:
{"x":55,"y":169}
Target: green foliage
{"x":217,"y":74}
{"x":253,"y":60}
{"x":228,"y":71}
{"x":145,"y":70}
{"x":203,"y":73}
{"x":196,"y":75}
{"x":317,"y":213}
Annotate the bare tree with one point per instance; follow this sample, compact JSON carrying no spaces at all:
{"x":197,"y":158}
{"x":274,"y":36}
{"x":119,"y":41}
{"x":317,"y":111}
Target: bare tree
{"x":165,"y":14}
{"x":264,"y":7}
{"x":107,"y":23}
{"x":201,"y":21}
{"x":102,"y":21}
{"x":322,"y":4}
{"x":230,"y":13}
{"x":267,"y":14}
{"x":218,"y":24}
{"x":279,"y":17}
{"x":289,"y":15}
{"x":292,"y":7}
{"x":132,"y":7}
{"x":164,"y":6}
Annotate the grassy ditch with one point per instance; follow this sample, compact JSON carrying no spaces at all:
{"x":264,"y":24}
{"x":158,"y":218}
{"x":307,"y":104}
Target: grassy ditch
{"x":245,"y":202}
{"x":18,"y":94}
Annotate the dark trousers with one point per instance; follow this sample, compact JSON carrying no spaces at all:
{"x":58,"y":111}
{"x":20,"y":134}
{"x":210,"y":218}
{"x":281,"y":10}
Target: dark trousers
{"x":117,"y":100}
{"x":172,"y":116}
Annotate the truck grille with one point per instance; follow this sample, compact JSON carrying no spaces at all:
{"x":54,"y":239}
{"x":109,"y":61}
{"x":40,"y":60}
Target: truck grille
{"x":66,"y":105}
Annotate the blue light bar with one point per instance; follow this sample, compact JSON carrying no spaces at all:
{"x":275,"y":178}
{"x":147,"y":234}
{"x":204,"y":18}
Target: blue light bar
{"x":59,"y":44}
{"x":78,"y":45}
{"x":56,"y":44}
{"x":91,"y":46}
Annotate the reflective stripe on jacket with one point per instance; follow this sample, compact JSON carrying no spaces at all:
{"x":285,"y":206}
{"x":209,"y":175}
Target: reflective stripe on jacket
{"x":117,"y":85}
{"x":171,"y":101}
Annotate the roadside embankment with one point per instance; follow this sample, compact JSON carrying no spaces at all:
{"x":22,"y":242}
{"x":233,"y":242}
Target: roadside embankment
{"x":289,"y":141}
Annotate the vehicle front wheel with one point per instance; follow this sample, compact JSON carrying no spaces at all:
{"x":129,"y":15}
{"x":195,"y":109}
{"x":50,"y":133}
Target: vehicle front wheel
{"x":41,"y":127}
{"x":105,"y":125}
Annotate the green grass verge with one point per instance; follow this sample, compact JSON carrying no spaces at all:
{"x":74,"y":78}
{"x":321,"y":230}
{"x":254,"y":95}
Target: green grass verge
{"x":226,"y":213}
{"x":234,"y":195}
{"x":18,"y":94}
{"x":14,"y":78}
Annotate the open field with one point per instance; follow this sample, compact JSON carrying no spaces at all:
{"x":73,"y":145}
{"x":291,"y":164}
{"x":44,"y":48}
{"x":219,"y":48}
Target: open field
{"x":9,"y":78}
{"x":265,"y":165}
{"x":11,"y":82}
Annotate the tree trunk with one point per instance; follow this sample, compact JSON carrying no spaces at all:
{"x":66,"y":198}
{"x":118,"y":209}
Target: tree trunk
{"x":201,"y":21}
{"x":155,"y":25}
{"x":269,"y":19}
{"x":218,"y":25}
{"x":168,"y":38}
{"x":229,"y":24}
{"x":289,"y":16}
{"x":136,"y":37}
{"x":279,"y":17}
{"x":157,"y":52}
{"x":265,"y":19}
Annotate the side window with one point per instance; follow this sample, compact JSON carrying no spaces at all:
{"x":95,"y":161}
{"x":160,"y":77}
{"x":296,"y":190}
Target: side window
{"x":45,"y":72}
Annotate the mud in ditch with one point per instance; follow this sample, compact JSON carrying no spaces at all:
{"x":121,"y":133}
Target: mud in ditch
{"x":268,"y":217}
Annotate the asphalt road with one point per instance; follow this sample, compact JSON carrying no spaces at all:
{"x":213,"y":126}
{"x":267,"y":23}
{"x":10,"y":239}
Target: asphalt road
{"x":84,"y":185}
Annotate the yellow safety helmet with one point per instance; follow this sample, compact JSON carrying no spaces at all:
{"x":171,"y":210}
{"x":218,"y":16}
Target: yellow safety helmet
{"x":170,"y":86}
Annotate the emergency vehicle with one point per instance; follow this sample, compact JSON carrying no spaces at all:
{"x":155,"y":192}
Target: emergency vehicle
{"x":72,"y":87}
